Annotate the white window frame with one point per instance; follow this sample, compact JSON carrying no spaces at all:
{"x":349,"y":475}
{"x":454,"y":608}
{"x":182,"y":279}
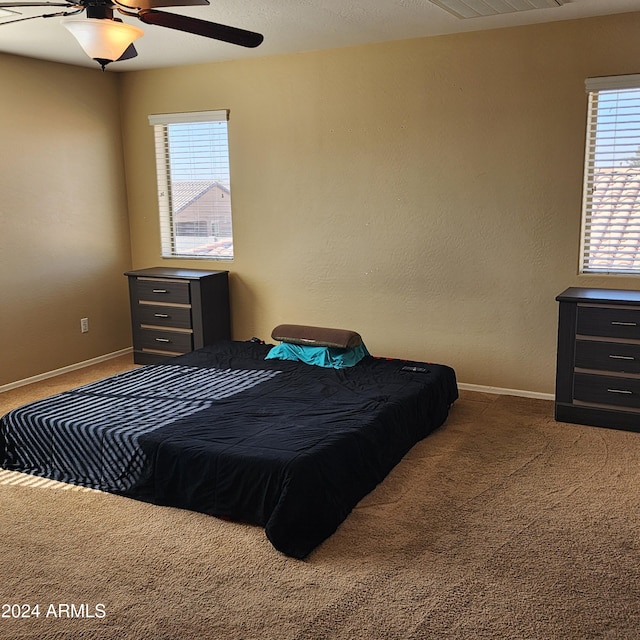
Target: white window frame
{"x":170,"y":205}
{"x":610,"y":230}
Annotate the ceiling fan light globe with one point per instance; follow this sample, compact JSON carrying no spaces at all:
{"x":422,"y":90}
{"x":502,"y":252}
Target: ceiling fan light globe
{"x":101,"y":38}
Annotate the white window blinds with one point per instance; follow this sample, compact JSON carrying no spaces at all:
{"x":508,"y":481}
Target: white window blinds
{"x":610,"y":240}
{"x":194,"y":186}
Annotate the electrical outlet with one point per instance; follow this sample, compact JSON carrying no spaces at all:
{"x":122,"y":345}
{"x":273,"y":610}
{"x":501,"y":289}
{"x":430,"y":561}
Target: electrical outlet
{"x":84,"y":325}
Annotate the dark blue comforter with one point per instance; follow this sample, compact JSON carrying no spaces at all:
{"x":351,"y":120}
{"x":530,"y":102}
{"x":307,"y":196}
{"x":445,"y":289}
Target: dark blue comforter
{"x":284,"y":445}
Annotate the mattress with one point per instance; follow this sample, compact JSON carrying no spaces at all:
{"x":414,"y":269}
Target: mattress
{"x":284,"y":445}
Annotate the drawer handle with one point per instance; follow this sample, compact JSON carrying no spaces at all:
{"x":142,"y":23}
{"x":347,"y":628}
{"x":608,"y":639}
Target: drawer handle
{"x":622,"y":357}
{"x":165,"y":291}
{"x":624,"y":391}
{"x":624,"y":324}
{"x":162,"y":340}
{"x":166,"y":315}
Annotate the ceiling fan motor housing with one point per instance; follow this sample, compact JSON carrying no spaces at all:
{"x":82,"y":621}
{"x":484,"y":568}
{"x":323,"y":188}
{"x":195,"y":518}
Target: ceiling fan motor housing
{"x":100,"y":11}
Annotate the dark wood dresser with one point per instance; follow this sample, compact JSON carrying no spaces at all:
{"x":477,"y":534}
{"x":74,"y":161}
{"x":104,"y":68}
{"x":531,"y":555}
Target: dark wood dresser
{"x":598,"y":361}
{"x":174,"y":311}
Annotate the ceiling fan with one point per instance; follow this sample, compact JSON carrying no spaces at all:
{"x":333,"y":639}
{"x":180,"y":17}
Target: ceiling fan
{"x":108,"y":39}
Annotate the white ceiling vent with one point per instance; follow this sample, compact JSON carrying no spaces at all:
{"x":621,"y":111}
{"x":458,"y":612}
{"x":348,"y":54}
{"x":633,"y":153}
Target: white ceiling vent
{"x":479,"y":8}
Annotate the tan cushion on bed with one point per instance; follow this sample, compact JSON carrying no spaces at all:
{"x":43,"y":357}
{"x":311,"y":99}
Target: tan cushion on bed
{"x":316,"y":336}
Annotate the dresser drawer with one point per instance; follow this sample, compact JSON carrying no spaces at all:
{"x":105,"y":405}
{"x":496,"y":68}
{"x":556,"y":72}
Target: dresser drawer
{"x":608,"y":322}
{"x":161,"y":316}
{"x":607,"y":390}
{"x":607,"y":356}
{"x":159,"y":290}
{"x":174,"y":341}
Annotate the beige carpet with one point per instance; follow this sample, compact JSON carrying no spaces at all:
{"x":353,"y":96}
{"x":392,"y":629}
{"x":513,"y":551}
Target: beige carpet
{"x":503,"y":524}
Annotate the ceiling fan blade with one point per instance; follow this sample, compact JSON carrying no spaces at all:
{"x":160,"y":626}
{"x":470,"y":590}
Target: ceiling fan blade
{"x":129,"y":52}
{"x":16,"y":5}
{"x":44,"y":15}
{"x":201,"y":28}
{"x":152,"y":4}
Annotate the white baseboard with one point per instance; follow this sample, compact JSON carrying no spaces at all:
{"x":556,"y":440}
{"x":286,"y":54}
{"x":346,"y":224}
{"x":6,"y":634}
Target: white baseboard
{"x":506,"y":392}
{"x":87,"y":363}
{"x":71,"y":367}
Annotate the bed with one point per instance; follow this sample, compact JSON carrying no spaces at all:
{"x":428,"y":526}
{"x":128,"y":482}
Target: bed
{"x":281,"y":444}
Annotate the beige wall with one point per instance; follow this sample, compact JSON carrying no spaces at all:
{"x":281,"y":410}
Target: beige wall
{"x":425,"y":193}
{"x":64,"y":236}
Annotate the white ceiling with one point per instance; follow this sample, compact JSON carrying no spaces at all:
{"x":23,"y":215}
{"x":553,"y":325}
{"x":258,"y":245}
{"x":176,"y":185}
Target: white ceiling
{"x":288,"y":26}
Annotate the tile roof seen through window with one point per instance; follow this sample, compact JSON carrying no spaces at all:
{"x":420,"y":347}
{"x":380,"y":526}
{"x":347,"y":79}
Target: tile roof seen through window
{"x":186,"y":192}
{"x":615,"y":218}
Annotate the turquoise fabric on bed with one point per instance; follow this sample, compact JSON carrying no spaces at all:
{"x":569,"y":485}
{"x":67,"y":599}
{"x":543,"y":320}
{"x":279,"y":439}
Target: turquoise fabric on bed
{"x":331,"y":357}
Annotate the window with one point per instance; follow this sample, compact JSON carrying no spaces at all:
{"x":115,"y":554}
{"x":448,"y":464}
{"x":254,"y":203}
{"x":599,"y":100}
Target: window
{"x":194,"y":187}
{"x":610,"y":240}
